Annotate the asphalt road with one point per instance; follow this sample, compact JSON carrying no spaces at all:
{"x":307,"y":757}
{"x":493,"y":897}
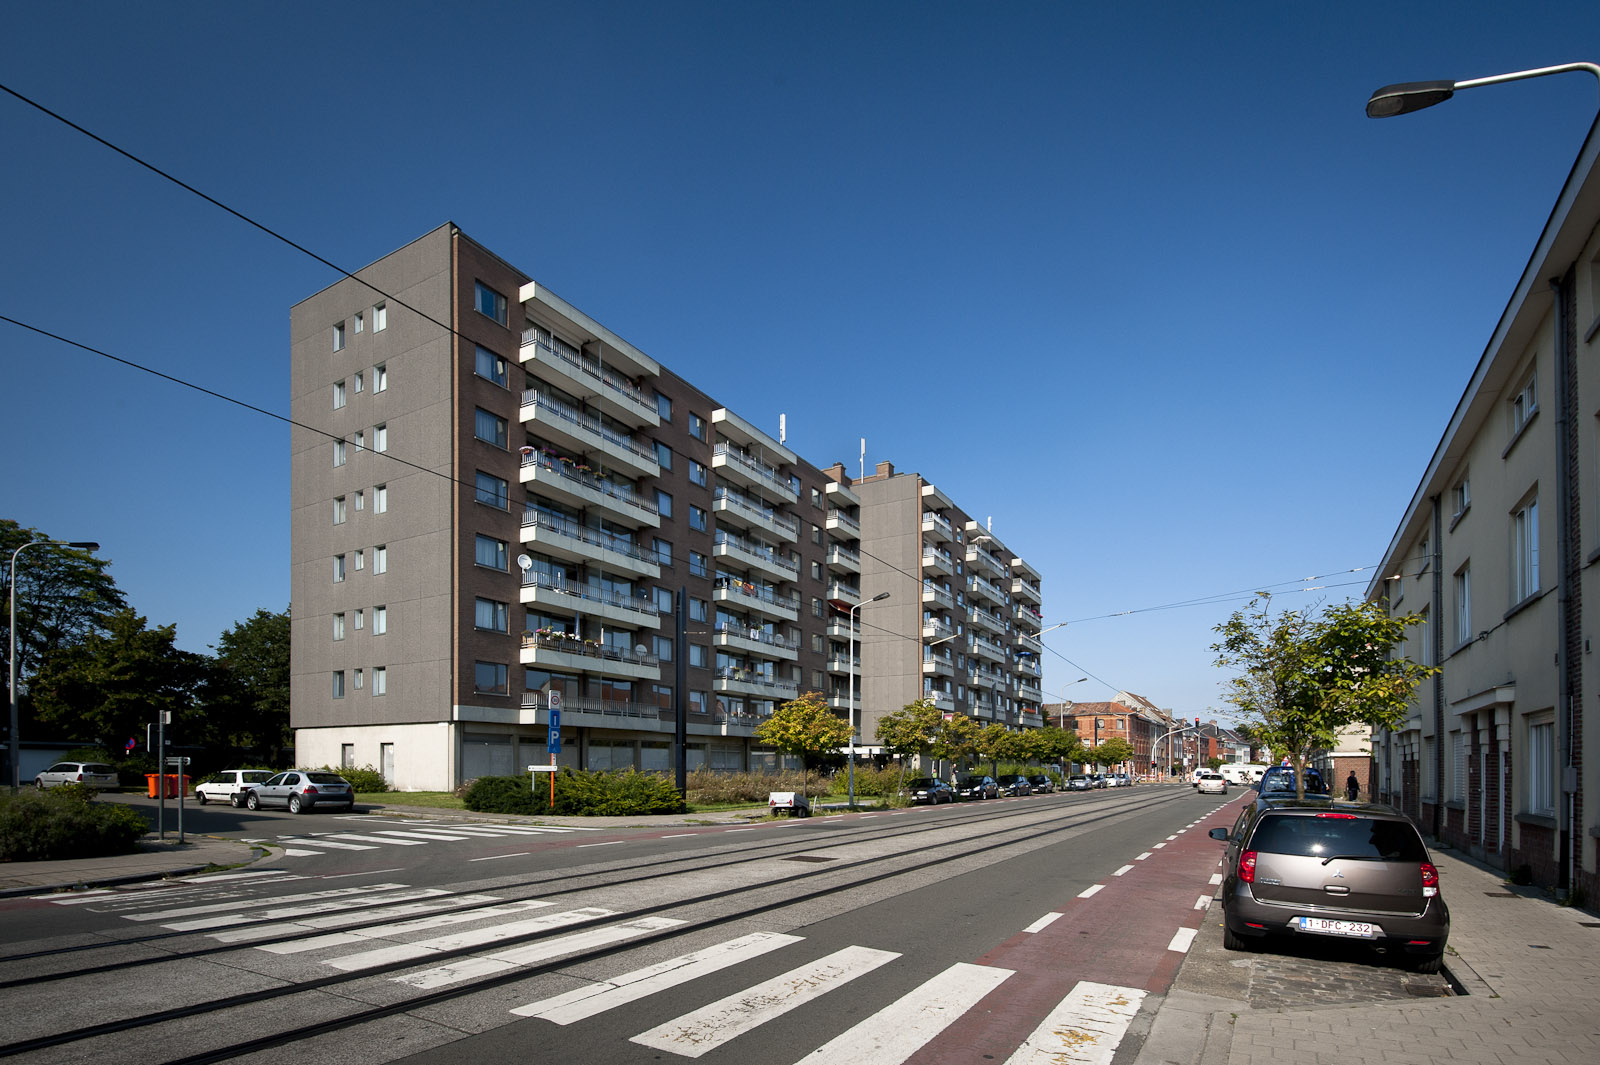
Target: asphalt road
{"x":954,"y":934}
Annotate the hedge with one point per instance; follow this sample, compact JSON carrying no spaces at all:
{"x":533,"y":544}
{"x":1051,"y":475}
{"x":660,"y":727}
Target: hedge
{"x":66,"y":822}
{"x":582,"y":793}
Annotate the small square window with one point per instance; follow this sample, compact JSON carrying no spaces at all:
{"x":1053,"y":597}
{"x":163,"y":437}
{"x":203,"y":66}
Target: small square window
{"x":338,"y":626}
{"x":661,"y":647}
{"x":338,"y":337}
{"x":697,"y":518}
{"x":490,"y":678}
{"x":697,"y":655}
{"x":491,"y":553}
{"x":697,"y":426}
{"x":697,"y":609}
{"x":338,"y":453}
{"x":489,"y":303}
{"x":338,"y":510}
{"x":380,"y":317}
{"x":491,"y":616}
{"x":663,"y":503}
{"x":699,"y":565}
{"x":493,"y":491}
{"x":490,"y":428}
{"x":663,"y":455}
{"x":663,"y":549}
{"x":662,"y":597}
{"x":663,"y":407}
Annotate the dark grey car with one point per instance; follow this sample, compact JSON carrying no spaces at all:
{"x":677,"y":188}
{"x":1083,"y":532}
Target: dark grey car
{"x":1356,"y":871}
{"x":300,"y":790}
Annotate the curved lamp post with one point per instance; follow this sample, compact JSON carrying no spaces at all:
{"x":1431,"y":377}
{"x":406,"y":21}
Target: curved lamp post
{"x":16,"y":746}
{"x":854,"y":613}
{"x":1408,"y":96}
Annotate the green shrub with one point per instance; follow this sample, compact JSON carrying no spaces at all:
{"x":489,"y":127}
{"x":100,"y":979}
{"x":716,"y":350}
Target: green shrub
{"x":65,"y":822}
{"x":579,"y":793}
{"x":708,"y":788}
{"x":871,"y":781}
{"x":362,"y":778}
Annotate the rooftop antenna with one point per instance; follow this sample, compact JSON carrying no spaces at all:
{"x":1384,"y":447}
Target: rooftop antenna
{"x":863,"y":458}
{"x":783,"y":428}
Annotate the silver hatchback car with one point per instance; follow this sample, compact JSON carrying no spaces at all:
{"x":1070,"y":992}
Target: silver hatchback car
{"x":299,"y":790}
{"x":1353,"y":871}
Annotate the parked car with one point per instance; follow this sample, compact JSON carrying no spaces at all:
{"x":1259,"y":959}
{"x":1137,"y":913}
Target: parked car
{"x":1098,"y":780}
{"x":1359,"y":872}
{"x":928,"y":790}
{"x":1122,"y":780}
{"x":1014,"y":784}
{"x":300,"y":791}
{"x":977,"y":787}
{"x":89,"y":774}
{"x":1211,"y":782}
{"x":1042,"y":784}
{"x":228,"y":785}
{"x":1280,"y":780}
{"x":1078,"y":782}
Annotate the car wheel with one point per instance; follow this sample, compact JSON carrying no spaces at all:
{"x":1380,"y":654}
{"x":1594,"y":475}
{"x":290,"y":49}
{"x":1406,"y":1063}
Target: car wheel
{"x":236,"y":799}
{"x":1230,"y":941}
{"x":1428,"y":966}
{"x":295,"y":805}
{"x":200,"y":797}
{"x":253,"y":801}
{"x":38,"y":782}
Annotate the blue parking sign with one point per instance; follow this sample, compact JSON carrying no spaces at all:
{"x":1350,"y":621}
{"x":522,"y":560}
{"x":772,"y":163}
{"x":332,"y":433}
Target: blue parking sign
{"x":555,"y":731}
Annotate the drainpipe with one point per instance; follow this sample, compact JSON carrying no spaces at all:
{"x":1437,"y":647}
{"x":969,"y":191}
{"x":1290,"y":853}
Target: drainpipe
{"x":1561,"y":291}
{"x":1437,"y":636}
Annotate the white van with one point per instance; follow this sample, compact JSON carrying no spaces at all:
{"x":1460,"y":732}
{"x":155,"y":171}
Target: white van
{"x":1241,"y":774}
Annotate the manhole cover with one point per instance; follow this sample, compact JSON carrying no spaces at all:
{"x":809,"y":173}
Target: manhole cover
{"x":1501,"y":894}
{"x":807,"y":858}
{"x":1427,"y":991}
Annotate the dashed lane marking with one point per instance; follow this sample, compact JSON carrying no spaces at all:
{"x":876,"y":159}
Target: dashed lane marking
{"x":1042,"y":923}
{"x":1089,"y":891}
{"x":1182,"y":939}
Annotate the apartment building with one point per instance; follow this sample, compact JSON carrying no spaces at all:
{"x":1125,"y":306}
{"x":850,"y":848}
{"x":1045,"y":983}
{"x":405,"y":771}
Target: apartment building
{"x":961,"y":621}
{"x":1496,"y":551}
{"x":497,"y":508}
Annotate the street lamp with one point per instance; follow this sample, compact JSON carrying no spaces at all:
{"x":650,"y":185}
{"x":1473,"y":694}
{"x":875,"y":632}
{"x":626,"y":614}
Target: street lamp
{"x":1409,"y":96}
{"x":854,"y":612}
{"x":16,"y":746}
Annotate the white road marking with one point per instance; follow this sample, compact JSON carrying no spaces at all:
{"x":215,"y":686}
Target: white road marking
{"x":1182,"y":939}
{"x":377,"y":839}
{"x":588,"y":1001}
{"x":1042,"y":923}
{"x":301,"y":841}
{"x":1158,"y":846}
{"x":295,"y":852}
{"x":496,"y":857}
{"x":77,"y":897}
{"x":1088,"y":891}
{"x":256,"y":875}
{"x":607,"y":843}
{"x":1171,"y":838}
{"x":408,"y":951}
{"x":905,"y":1026}
{"x":1124,"y":869}
{"x":533,"y":953}
{"x":1084,"y":1029}
{"x":419,"y":924}
{"x":414,"y":834}
{"x":680,"y":835}
{"x":1216,"y":878}
{"x":1142,"y":857}
{"x":309,"y":909}
{"x":694,"y":1034}
{"x":219,"y":907}
{"x":312,"y":924}
{"x":1203,"y":902}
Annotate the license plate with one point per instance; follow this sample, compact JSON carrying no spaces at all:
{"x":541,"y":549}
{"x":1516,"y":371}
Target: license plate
{"x":1327,"y":927}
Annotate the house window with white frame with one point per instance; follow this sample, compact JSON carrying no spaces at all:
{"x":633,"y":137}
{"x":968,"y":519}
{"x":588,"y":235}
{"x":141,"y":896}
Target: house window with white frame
{"x":380,"y":437}
{"x":338,"y":337}
{"x":338,"y":626}
{"x":1463,"y":590}
{"x":338,"y":510}
{"x":338,"y":684}
{"x":380,"y":499}
{"x":361,"y":321}
{"x":1525,"y":551}
{"x":338,"y":394}
{"x":338,"y":453}
{"x":380,"y":559}
{"x":1525,"y":404}
{"x":489,"y":303}
{"x":380,"y":620}
{"x":380,"y":680}
{"x":1541,"y":768}
{"x":380,"y":317}
{"x":380,"y":377}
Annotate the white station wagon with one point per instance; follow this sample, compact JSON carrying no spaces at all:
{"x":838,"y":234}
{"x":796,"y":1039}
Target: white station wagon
{"x":89,"y":774}
{"x":229,"y":785}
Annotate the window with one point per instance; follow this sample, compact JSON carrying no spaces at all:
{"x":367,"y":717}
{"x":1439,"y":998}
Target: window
{"x":663,"y":550}
{"x":380,"y":680}
{"x":1541,"y":768}
{"x":338,"y":684}
{"x":697,"y":472}
{"x":661,"y":647}
{"x":380,"y":377}
{"x":338,"y":453}
{"x":697,"y":426}
{"x":380,"y":499}
{"x":490,"y":366}
{"x":491,"y":552}
{"x":338,"y":510}
{"x":380,"y":559}
{"x":1525,"y":404}
{"x":380,"y":317}
{"x":663,"y":503}
{"x":697,"y":655}
{"x":489,"y":428}
{"x":697,"y":518}
{"x":338,"y":626}
{"x":338,"y":337}
{"x":380,"y":437}
{"x":663,"y":455}
{"x":699,"y":565}
{"x":816,"y":570}
{"x":816,"y":642}
{"x":494,"y":491}
{"x":347,"y":756}
{"x":816,"y":534}
{"x":664,"y":407}
{"x":490,"y":678}
{"x":1460,"y":498}
{"x":816,"y":606}
{"x":360,"y":381}
{"x":361,"y":321}
{"x":360,"y":618}
{"x":360,"y":440}
{"x":697,"y":609}
{"x":489,"y":303}
{"x":1525,"y":551}
{"x":491,"y":615}
{"x":338,"y":394}
{"x":360,"y":499}
{"x":360,"y":559}
{"x":380,"y":620}
{"x":360,"y":677}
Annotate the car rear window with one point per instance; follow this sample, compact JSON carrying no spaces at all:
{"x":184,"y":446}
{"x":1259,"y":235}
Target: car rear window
{"x":97,"y":767}
{"x":325,"y":778}
{"x":920,"y":782}
{"x":254,"y":776}
{"x":1342,"y":836}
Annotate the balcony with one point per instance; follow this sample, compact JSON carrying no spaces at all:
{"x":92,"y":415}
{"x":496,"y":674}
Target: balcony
{"x":840,"y":496}
{"x":1026,"y":590}
{"x":937,"y":561}
{"x":986,"y":681}
{"x":981,"y":561}
{"x":736,"y":508}
{"x":982,"y":619}
{"x":844,"y":593}
{"x":938,"y":596}
{"x":752,"y":554}
{"x":748,"y":470}
{"x":938,"y":666}
{"x":842,"y":526}
{"x":580,"y":488}
{"x":754,"y":640}
{"x":737,"y":681}
{"x":1029,"y":693}
{"x":1027,"y":666}
{"x":945,"y":701}
{"x":562,"y":366}
{"x":573,"y":428}
{"x":937,"y":528}
{"x":936,"y":630}
{"x":633,"y":612}
{"x":987,"y":649}
{"x":843,"y":560}
{"x":578,"y":543}
{"x":585,"y":710}
{"x":839,"y":628}
{"x":1028,"y":617}
{"x":840,"y":701}
{"x":744,"y":595}
{"x":979,"y":588}
{"x":567,"y":654}
{"x":1027,"y":642}
{"x":841,"y":664}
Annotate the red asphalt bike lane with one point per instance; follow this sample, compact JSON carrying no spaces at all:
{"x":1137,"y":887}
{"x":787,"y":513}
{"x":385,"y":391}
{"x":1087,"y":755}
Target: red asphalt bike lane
{"x":1118,"y":936}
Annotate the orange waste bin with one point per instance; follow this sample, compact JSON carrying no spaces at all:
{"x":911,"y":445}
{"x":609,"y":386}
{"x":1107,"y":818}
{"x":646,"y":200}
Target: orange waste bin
{"x":150,"y":783}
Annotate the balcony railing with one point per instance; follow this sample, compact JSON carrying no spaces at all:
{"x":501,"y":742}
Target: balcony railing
{"x":753,"y":467}
{"x":568,"y":644}
{"x":741,"y":502}
{"x":619,"y":385}
{"x":533,"y":579}
{"x":576,"y":419}
{"x":764,"y":552}
{"x":590,"y":705}
{"x":569,"y":471}
{"x":765,"y":685}
{"x":756,"y":635}
{"x":841,"y":518}
{"x":755,"y":591}
{"x":583,"y":534}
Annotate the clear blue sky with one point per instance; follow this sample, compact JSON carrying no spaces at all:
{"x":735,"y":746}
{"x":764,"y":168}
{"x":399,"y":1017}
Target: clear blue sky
{"x":1140,"y":280}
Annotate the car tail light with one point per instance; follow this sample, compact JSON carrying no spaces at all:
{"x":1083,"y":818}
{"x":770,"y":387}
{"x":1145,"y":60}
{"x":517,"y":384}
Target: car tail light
{"x":311,"y":789}
{"x":1247,"y":867}
{"x":79,"y":778}
{"x":1339,"y":817}
{"x":1430,"y":880}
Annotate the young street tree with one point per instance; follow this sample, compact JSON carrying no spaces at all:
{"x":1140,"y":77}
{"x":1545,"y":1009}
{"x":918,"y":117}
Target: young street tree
{"x":1304,"y":676}
{"x":1112,"y":751}
{"x":251,"y":707}
{"x":909,"y":731}
{"x":805,"y":726}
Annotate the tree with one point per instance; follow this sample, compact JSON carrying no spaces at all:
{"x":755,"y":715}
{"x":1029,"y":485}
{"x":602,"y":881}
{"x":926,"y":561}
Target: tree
{"x":1113,"y":750}
{"x":995,"y":742}
{"x":1304,"y":676}
{"x":806,"y":726}
{"x":909,"y":731}
{"x":63,"y":595}
{"x":251,"y":704}
{"x":1055,"y":744}
{"x":110,"y":686}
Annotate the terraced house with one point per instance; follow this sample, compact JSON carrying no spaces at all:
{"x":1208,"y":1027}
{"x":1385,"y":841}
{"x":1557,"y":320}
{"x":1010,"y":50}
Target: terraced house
{"x":497,"y":508}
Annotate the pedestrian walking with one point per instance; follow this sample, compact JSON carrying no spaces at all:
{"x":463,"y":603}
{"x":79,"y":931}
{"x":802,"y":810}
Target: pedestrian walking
{"x":1352,"y":787}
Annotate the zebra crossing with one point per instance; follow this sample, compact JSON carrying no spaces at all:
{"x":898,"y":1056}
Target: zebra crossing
{"x":333,"y":930}
{"x":372,"y":836}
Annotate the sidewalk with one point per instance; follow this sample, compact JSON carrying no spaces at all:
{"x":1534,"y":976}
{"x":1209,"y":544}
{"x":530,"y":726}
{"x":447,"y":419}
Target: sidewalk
{"x":1530,"y":969}
{"x":154,"y":859}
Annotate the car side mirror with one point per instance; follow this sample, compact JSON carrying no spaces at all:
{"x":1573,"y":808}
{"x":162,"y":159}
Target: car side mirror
{"x":1219,"y":834}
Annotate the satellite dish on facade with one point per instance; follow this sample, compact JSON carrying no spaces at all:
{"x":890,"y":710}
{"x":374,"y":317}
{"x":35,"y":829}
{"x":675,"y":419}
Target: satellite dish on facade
{"x":524,"y":562}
